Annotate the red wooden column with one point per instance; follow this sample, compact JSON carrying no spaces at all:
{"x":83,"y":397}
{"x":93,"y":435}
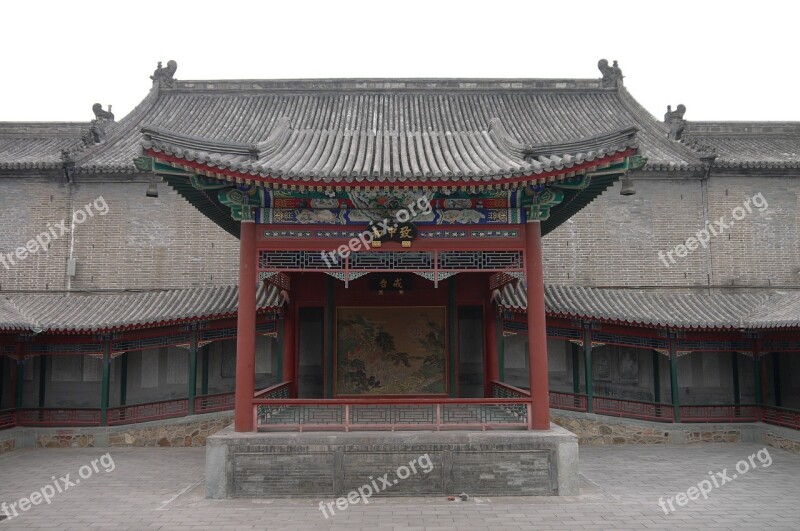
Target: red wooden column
{"x":289,"y":361}
{"x":246,"y":329}
{"x":492,"y":371}
{"x":537,"y":331}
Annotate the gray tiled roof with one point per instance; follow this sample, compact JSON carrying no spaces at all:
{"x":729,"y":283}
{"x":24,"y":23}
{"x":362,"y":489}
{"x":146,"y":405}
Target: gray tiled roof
{"x":85,"y":312}
{"x":314,"y":155}
{"x":10,"y":317}
{"x":353,"y":112}
{"x":37,"y":145}
{"x":749,"y":144}
{"x":686,"y":310}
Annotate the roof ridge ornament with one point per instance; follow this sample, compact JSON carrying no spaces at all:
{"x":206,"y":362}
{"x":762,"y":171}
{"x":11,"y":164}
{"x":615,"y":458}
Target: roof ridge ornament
{"x":164,"y":76}
{"x":612,"y":75}
{"x":96,"y":134}
{"x":675,"y":122}
{"x":500,"y":134}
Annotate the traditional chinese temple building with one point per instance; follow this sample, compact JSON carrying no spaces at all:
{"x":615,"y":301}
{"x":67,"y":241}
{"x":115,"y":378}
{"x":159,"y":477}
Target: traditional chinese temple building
{"x":398,"y":254}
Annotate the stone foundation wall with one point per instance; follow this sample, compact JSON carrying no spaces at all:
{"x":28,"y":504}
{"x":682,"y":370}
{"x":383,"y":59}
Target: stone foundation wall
{"x":590,"y":430}
{"x":186,"y":434}
{"x":174,"y":432}
{"x":598,"y":430}
{"x":66,"y":439}
{"x":490,"y":463}
{"x":7,"y":445}
{"x":776,"y":440}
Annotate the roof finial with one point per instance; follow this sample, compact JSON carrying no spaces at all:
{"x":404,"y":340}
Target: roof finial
{"x":675,"y":122}
{"x":164,"y":76}
{"x":612,"y":75}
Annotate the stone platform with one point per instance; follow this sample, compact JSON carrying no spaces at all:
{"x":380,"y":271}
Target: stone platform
{"x":279,"y":464}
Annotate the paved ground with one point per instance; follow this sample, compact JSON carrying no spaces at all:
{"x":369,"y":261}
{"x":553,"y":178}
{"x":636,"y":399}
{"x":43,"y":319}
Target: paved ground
{"x":162,"y":488}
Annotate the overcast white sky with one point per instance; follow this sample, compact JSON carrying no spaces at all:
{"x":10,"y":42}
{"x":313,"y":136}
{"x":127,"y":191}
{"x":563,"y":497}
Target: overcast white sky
{"x":723,"y":60}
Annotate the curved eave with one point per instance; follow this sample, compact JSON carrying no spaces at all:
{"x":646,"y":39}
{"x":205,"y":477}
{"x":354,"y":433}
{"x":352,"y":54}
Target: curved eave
{"x":206,"y":203}
{"x":494,"y":181}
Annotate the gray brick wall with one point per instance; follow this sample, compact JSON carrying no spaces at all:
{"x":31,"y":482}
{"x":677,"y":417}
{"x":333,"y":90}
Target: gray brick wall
{"x":165,"y":243}
{"x":140,"y":243}
{"x":615,"y":240}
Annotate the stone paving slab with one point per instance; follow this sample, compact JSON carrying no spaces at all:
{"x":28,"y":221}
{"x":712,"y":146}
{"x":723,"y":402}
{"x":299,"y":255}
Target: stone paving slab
{"x":162,"y":489}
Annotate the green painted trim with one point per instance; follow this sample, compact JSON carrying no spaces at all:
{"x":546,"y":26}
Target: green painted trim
{"x":501,"y":349}
{"x":106,"y":380}
{"x":453,"y":338}
{"x":192,"y":369}
{"x":776,"y":379}
{"x":204,"y":372}
{"x":329,"y":323}
{"x":737,"y":399}
{"x":673,"y":378}
{"x":587,"y":367}
{"x":123,"y":379}
{"x":143,"y":164}
{"x":20,"y":383}
{"x":656,"y":377}
{"x":42,"y":379}
{"x":576,"y":369}
{"x":757,"y":378}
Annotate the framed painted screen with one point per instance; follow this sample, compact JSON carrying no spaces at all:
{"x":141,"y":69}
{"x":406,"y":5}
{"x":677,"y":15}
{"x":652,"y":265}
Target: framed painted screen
{"x":391,"y":351}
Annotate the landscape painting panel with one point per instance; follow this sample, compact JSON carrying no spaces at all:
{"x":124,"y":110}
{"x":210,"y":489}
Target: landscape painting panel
{"x":391,"y":351}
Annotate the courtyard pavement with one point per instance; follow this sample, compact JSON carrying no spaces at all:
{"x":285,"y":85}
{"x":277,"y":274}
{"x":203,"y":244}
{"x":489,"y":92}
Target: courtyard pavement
{"x":162,"y":488}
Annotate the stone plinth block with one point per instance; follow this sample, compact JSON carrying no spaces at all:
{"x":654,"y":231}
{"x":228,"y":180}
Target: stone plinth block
{"x":490,"y":463}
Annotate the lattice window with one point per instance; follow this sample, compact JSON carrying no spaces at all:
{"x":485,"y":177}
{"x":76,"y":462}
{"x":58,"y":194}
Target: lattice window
{"x":480,"y":260}
{"x":393,"y":414}
{"x":391,"y":260}
{"x":160,"y":341}
{"x":687,"y":344}
{"x":284,"y":260}
{"x":631,"y":341}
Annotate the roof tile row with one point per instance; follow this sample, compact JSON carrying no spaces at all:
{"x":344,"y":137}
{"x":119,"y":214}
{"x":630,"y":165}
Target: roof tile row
{"x":689,"y":310}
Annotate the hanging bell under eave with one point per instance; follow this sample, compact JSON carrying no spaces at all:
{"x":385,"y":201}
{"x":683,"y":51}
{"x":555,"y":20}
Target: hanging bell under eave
{"x":152,"y":188}
{"x":627,"y":186}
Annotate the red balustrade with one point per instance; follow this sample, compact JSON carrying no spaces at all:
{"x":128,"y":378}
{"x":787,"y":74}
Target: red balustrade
{"x":723,"y":413}
{"x":212,"y":403}
{"x":8,"y":419}
{"x":568,"y":401}
{"x":633,"y":409}
{"x":779,"y":416}
{"x":166,"y":409}
{"x":503,"y":390}
{"x":58,"y":417}
{"x":558,"y":400}
{"x":508,"y":409}
{"x":280,"y":390}
{"x":391,"y":414}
